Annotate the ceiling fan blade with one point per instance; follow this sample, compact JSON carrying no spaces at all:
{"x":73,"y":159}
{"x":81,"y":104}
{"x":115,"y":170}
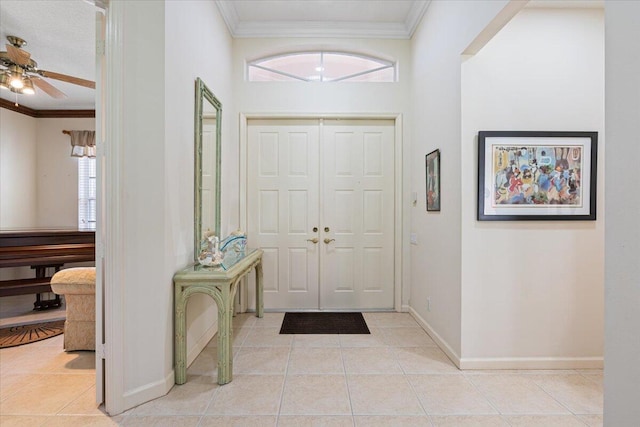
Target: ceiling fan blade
{"x":48,"y":88}
{"x":19,"y":56}
{"x":68,"y":79}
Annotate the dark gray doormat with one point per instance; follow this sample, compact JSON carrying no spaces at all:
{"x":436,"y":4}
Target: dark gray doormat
{"x":324,"y":323}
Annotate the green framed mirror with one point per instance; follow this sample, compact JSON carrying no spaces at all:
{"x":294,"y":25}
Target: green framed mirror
{"x":208,"y":119}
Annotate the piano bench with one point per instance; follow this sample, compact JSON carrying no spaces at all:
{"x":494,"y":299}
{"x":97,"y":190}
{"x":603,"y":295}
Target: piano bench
{"x":34,"y":285}
{"x":78,"y":285}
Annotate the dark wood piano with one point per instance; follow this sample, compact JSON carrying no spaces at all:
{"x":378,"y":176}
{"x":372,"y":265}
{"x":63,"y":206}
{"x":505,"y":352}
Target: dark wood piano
{"x":42,"y":249}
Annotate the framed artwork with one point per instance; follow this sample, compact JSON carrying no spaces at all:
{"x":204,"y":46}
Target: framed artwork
{"x":432,"y":163}
{"x":537,"y":175}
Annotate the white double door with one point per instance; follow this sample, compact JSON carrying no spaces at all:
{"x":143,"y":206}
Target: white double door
{"x":320,"y":199}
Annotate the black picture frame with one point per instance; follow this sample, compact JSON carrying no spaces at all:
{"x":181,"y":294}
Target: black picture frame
{"x":432,"y":179}
{"x":537,"y":175}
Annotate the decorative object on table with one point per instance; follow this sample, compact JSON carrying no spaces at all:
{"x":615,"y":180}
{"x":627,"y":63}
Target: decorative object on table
{"x":12,"y":336}
{"x":233,"y":247}
{"x":432,"y":164}
{"x":210,"y":254}
{"x":526,"y":175}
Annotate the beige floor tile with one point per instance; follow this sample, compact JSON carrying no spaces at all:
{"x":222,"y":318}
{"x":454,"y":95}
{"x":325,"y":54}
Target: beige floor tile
{"x":267,"y":337}
{"x":597,"y":377}
{"x":370,"y":360}
{"x":270,"y":320}
{"x":592,"y":420}
{"x":374,"y":339}
{"x":206,"y":363}
{"x":469,"y":421}
{"x":57,"y":341}
{"x":544,"y":420}
{"x":83,"y":421}
{"x":382,"y":395}
{"x":79,"y":362}
{"x":26,"y":359}
{"x":390,"y":320}
{"x":579,"y":394}
{"x":161,"y":421}
{"x":315,"y":395}
{"x":314,"y":421}
{"x":248,"y":395}
{"x":238,"y":421}
{"x":244,"y":320}
{"x":449,"y":395}
{"x":11,"y":383}
{"x":424,"y":360}
{"x":84,"y":405}
{"x":315,"y":360}
{"x":516,"y":394}
{"x":316,"y":340}
{"x":191,"y":398}
{"x":407,"y":337}
{"x":261,"y":360}
{"x":392,"y":421}
{"x":48,"y":395}
{"x":23,"y":420}
{"x":239,"y":335}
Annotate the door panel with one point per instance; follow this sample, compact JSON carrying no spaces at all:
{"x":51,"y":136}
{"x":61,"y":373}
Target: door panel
{"x":283,"y":208}
{"x":357,"y":268}
{"x":336,"y":174}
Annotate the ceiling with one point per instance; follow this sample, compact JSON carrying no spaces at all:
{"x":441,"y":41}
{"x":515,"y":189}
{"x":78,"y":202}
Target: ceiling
{"x":61,"y":33}
{"x":60,"y":36}
{"x":323,"y":18}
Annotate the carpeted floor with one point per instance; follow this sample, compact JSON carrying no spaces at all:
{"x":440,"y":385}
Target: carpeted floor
{"x":324,"y":323}
{"x":24,"y":334}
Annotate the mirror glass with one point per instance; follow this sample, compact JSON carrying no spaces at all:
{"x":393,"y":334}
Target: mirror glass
{"x":208,"y":115}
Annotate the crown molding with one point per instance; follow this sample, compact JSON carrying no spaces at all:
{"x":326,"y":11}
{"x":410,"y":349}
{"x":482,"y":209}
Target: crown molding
{"x":39,"y":114}
{"x":272,"y":29}
{"x":414,"y":17}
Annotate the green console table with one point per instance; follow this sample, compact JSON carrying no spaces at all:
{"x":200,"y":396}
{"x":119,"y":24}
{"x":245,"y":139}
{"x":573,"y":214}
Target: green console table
{"x":221,"y":283}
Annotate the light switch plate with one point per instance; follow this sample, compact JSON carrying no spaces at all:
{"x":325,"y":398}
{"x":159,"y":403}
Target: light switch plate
{"x":414,"y":238}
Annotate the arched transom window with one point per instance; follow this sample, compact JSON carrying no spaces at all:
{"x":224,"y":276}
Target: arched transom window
{"x":321,"y":67}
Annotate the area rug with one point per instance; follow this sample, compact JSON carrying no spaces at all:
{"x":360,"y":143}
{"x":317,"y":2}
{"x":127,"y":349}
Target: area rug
{"x":24,"y":334}
{"x":324,"y":323}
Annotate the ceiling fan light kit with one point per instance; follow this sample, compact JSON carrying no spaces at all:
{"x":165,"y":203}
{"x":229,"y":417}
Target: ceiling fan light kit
{"x":21,"y":72}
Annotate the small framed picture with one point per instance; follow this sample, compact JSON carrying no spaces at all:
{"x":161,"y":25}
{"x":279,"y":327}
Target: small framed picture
{"x":537,"y":175}
{"x":432,"y":163}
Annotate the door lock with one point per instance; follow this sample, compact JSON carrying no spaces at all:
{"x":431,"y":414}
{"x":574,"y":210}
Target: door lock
{"x":315,"y":229}
{"x":327,"y":240}
{"x":326,"y":229}
{"x":314,"y":240}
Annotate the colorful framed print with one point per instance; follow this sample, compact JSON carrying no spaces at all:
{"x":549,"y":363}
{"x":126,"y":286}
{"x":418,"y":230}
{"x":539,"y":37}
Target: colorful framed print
{"x":432,"y":164}
{"x":537,"y":175}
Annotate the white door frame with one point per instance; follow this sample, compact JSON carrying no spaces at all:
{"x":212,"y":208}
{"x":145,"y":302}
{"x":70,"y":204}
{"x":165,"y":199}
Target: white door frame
{"x":401,"y":223}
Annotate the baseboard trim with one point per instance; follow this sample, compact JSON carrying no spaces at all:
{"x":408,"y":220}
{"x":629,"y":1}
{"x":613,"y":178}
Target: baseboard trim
{"x":444,"y":346}
{"x":465,"y":363}
{"x":405,"y":308}
{"x":532,"y":363}
{"x":197,"y":348}
{"x":148,"y":392}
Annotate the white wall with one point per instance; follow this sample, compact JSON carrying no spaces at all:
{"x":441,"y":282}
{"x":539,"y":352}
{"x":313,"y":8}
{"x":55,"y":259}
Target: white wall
{"x":18,"y":159}
{"x":622,"y":241}
{"x":57,"y":171}
{"x":166,"y":45}
{"x":446,"y":30}
{"x":532,"y":292}
{"x":197,"y":20}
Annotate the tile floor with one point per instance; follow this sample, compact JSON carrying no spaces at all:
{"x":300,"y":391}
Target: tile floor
{"x":394,"y":377}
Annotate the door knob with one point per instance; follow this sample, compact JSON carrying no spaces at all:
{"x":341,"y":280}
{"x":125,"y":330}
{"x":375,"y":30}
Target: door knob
{"x":314,"y":240}
{"x":327,"y":240}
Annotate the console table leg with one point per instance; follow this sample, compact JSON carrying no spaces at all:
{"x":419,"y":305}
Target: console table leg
{"x":259,"y":291}
{"x":180,"y":338}
{"x":224,"y":337}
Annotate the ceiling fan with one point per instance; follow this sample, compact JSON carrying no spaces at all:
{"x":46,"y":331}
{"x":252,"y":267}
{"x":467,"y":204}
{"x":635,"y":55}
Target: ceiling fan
{"x":22,"y":72}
